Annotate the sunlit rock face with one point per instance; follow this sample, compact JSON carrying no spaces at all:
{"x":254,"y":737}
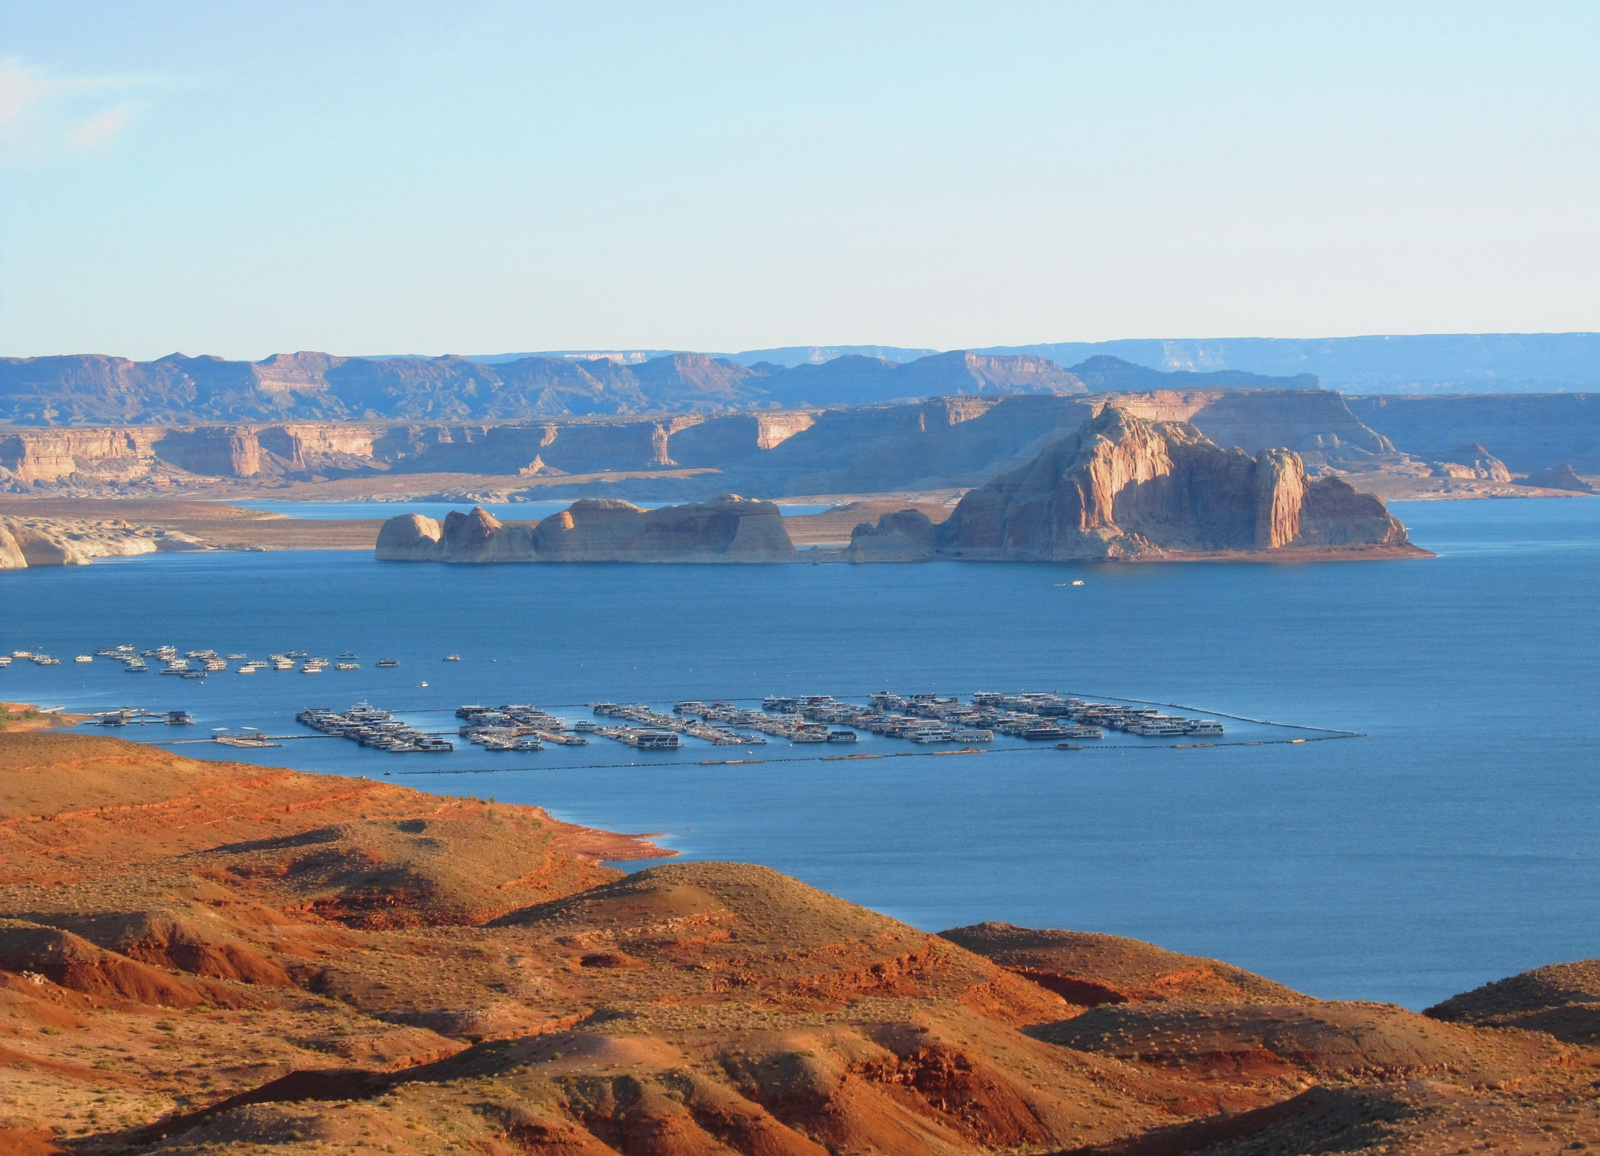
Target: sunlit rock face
{"x":727,"y":529}
{"x":1122,"y":486}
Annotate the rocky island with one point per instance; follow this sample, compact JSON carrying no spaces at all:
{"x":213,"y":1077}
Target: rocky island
{"x":728,"y":529}
{"x":212,"y":957}
{"x":1125,"y":487}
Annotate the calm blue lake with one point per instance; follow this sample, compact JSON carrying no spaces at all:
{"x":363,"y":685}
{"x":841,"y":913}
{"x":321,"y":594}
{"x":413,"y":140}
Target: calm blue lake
{"x":1454,"y":844}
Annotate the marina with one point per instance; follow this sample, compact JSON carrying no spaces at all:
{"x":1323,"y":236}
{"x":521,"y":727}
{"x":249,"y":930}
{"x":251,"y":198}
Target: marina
{"x":923,"y":720}
{"x":937,"y":723}
{"x":368,"y":726}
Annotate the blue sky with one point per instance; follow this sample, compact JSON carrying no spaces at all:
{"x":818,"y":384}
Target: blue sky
{"x":246,"y":178}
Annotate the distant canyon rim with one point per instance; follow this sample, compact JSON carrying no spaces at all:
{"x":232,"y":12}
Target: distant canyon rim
{"x":529,"y":429}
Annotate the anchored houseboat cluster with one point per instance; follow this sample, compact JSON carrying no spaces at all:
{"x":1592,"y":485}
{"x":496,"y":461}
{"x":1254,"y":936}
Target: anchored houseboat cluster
{"x":515,"y":727}
{"x":794,"y":727}
{"x":129,"y":715}
{"x":367,"y":725}
{"x":197,"y":664}
{"x":653,"y":720}
{"x":918,"y":718}
{"x":1035,"y":716}
{"x":35,"y":657}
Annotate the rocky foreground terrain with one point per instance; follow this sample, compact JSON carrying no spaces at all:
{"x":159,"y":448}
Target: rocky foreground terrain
{"x":208,"y":957}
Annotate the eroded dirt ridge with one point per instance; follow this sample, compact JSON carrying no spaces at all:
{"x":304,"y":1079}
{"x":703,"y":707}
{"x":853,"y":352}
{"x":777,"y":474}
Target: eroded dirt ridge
{"x":208,"y":957}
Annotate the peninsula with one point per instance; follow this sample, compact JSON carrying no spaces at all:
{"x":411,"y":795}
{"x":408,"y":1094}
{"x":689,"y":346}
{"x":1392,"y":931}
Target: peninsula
{"x":212,"y":957}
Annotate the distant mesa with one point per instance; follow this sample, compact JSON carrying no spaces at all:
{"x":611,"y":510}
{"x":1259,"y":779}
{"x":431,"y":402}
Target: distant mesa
{"x":1560,"y":477}
{"x":727,"y":529}
{"x":1124,"y":487}
{"x":176,"y":390}
{"x":1106,"y":374}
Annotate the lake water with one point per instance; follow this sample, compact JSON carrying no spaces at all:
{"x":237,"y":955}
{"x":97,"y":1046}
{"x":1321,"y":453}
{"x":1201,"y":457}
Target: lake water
{"x":1454,"y":844}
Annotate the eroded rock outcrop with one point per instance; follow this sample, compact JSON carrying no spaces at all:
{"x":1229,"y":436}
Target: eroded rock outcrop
{"x":728,"y":529}
{"x":1125,"y":487}
{"x":11,"y":556}
{"x":33,"y":542}
{"x":1561,"y":477}
{"x":1472,"y":462}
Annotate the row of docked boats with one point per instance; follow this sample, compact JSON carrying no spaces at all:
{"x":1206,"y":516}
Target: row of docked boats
{"x":794,"y":727}
{"x":372,"y":727}
{"x":514,"y":727}
{"x":676,"y":723}
{"x":1031,"y":715}
{"x":196,"y":664}
{"x":38,"y":658}
{"x":135,"y":715}
{"x":639,"y":738}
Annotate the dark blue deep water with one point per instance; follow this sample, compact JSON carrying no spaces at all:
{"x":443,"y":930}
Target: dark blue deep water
{"x":1454,"y":844}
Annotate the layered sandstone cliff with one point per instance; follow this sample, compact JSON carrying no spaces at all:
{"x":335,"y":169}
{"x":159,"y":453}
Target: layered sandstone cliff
{"x":728,"y":529}
{"x":945,"y":441}
{"x":1122,"y":486}
{"x":313,"y":386}
{"x":1527,"y":432}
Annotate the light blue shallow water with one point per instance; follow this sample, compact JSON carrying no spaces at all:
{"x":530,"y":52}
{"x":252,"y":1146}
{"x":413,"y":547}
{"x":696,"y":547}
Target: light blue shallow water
{"x":1455,"y":844}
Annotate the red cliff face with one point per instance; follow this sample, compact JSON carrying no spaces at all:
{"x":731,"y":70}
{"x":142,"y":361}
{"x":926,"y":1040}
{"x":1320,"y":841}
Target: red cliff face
{"x":1125,"y":487}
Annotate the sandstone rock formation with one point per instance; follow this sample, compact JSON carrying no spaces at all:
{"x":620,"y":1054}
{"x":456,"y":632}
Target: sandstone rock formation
{"x":313,"y":386}
{"x":1526,"y":431}
{"x":1125,"y":487}
{"x":728,"y":529}
{"x":35,"y":542}
{"x":1561,"y":477}
{"x":11,"y":556}
{"x":1471,"y":462}
{"x":958,"y":440}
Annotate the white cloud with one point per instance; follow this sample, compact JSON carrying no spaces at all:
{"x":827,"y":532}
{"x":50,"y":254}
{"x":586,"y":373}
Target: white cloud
{"x":101,"y":128}
{"x":46,"y":117}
